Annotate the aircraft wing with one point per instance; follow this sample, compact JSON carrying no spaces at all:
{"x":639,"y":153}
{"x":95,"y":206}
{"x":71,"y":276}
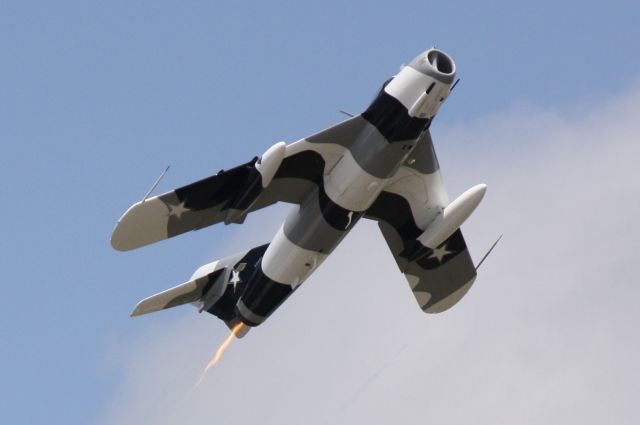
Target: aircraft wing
{"x":230,"y":195}
{"x":438,"y":277}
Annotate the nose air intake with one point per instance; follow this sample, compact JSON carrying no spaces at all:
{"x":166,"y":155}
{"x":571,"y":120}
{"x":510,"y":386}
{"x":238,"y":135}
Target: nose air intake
{"x":436,"y":64}
{"x":440,"y":61}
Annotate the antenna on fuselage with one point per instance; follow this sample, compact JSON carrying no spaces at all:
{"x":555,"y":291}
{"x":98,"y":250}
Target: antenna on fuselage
{"x":349,"y":114}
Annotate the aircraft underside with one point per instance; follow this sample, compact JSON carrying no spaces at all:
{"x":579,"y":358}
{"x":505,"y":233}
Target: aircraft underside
{"x":380,"y":165}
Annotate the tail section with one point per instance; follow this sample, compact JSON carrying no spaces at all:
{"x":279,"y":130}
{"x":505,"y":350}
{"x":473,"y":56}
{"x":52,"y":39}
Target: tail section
{"x":214,"y":288}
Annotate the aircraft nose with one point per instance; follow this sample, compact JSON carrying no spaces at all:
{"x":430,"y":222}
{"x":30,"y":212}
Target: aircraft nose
{"x":437,"y":64}
{"x":440,"y":61}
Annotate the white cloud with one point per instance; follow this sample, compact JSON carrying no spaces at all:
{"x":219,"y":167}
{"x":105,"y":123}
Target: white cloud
{"x":547,"y":334}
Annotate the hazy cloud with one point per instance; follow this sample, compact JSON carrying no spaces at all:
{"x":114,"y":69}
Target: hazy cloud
{"x":547,"y":335}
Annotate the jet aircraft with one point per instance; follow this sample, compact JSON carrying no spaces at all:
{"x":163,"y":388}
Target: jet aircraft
{"x":378,"y":165}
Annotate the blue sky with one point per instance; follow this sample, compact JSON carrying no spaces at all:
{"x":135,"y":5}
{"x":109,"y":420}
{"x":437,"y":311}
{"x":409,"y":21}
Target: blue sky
{"x":96,"y":98}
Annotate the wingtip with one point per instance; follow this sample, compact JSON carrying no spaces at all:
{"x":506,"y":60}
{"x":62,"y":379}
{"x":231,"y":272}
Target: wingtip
{"x":117,"y":239}
{"x":122,"y":244}
{"x":117,"y":245}
{"x":142,"y":224}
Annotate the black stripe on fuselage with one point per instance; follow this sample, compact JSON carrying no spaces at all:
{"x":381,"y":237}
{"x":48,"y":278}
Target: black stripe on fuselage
{"x":392,"y":119}
{"x":262,"y":296}
{"x":309,"y":165}
{"x":224,"y":308}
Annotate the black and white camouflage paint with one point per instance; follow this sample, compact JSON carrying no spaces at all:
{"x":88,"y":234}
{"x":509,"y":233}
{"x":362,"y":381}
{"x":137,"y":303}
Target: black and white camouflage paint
{"x":380,"y":165}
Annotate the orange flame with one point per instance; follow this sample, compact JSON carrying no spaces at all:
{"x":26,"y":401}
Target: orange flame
{"x":234,"y":332}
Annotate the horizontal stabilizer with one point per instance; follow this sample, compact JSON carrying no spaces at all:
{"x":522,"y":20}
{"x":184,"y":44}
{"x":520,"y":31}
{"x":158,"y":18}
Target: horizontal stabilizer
{"x":184,"y":293}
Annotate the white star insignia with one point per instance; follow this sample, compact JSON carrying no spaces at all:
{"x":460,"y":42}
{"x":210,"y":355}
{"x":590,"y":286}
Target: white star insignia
{"x":235,"y":278}
{"x":177,"y":210}
{"x":440,"y":253}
